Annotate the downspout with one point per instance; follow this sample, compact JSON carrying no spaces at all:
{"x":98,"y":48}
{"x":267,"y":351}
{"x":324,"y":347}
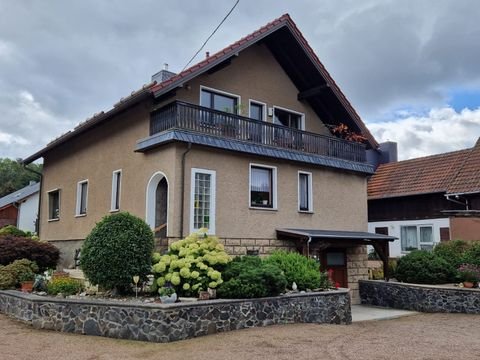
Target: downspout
{"x":39,"y":195}
{"x":458,"y":202}
{"x":308,"y":246}
{"x":182,"y":205}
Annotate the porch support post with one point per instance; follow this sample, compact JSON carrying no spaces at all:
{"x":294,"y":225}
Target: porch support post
{"x":383,"y":251}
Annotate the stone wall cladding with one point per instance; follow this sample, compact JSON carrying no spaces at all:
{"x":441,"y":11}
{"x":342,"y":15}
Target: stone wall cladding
{"x":431,"y":299}
{"x":357,"y":269}
{"x":165,"y":323}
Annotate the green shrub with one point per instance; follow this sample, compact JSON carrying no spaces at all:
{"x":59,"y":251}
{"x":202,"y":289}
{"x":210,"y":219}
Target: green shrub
{"x":12,"y":248}
{"x":472,"y":254}
{"x":303,"y":271}
{"x":13,"y":274}
{"x":250,"y":277}
{"x":452,"y":251}
{"x":119,"y":247}
{"x":424,"y":267}
{"x":191,"y":265}
{"x":64,"y":285}
{"x":13,"y":230}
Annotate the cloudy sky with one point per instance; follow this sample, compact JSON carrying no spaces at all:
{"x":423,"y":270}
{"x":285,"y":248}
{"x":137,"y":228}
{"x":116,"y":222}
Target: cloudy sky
{"x":410,"y":68}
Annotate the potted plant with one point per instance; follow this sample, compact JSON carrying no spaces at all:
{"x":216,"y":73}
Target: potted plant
{"x":469,"y":274}
{"x":26,"y":280}
{"x":167,"y":295}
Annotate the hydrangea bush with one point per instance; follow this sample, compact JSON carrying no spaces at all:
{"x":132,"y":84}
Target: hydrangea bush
{"x":191,"y":265}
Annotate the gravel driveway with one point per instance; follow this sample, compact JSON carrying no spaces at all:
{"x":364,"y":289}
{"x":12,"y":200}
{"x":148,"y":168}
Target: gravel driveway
{"x":424,"y":336}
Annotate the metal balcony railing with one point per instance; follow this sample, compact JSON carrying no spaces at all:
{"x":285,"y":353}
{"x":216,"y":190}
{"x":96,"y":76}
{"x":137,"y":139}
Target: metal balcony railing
{"x":202,"y":120}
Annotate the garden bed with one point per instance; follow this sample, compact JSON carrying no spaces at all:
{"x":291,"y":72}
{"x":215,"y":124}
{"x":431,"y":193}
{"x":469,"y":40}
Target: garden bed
{"x":171,"y":322}
{"x":424,"y":298}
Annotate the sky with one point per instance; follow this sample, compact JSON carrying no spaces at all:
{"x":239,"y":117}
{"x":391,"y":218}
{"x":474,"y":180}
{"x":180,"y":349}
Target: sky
{"x":410,"y":68}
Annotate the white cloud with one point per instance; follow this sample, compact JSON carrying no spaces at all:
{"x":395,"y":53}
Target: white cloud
{"x":439,"y":130}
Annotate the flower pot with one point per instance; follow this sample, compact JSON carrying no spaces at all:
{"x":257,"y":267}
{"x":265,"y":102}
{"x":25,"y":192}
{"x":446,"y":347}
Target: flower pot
{"x":203,"y":295}
{"x":27,"y":286}
{"x":168,"y":299}
{"x":467,"y":284}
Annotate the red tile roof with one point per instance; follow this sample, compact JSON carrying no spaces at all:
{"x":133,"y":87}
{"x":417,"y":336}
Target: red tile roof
{"x":453,"y":172}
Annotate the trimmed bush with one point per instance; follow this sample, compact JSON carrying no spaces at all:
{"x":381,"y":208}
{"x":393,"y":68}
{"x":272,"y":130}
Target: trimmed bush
{"x":14,"y":231}
{"x":13,"y":274}
{"x":119,"y":247}
{"x":12,"y":248}
{"x":191,"y":265}
{"x":64,"y":285}
{"x":250,"y":277}
{"x":303,"y":271}
{"x":424,"y":267}
{"x":472,"y":254}
{"x":452,"y":251}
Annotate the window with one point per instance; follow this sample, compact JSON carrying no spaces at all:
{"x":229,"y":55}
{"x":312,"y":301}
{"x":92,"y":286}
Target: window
{"x":416,"y":237}
{"x":202,"y":212}
{"x":82,"y":194}
{"x":54,"y":205}
{"x":219,"y":101}
{"x":288,"y":118}
{"x":263,"y":185}
{"x":305,"y":191}
{"x":116,"y":182}
{"x":257,"y":111}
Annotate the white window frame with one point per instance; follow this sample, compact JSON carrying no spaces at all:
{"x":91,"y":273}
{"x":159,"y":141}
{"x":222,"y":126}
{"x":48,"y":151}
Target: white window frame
{"x":221,"y":92}
{"x":79,"y":194}
{"x":213,"y":184}
{"x":59,"y":202}
{"x":252,"y":101}
{"x":310,"y":191}
{"x":419,"y":243}
{"x":302,"y":119}
{"x":115,"y":190}
{"x":274,"y":187}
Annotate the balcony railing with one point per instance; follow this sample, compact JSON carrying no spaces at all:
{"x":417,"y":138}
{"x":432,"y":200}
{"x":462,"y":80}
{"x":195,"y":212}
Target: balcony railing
{"x":202,"y":120}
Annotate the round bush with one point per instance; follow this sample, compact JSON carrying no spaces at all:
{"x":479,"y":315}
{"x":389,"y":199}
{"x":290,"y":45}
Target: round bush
{"x":472,"y":254}
{"x":13,"y":274}
{"x":119,"y":247}
{"x":13,"y":230}
{"x":424,"y":267}
{"x":250,"y":277}
{"x":303,"y":271}
{"x":12,"y":248}
{"x":452,"y":251}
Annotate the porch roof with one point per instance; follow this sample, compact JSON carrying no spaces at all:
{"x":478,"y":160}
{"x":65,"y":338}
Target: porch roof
{"x":315,"y":234}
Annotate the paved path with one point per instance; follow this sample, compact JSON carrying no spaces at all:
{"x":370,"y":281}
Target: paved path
{"x":368,"y":313}
{"x":423,"y":336}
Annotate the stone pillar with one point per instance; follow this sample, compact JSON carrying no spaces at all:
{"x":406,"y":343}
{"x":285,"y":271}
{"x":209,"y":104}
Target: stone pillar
{"x":357,"y":269}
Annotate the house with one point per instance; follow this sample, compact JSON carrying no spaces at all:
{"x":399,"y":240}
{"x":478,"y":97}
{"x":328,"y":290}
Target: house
{"x":239,"y":143}
{"x":426,"y":200}
{"x":20,"y":208}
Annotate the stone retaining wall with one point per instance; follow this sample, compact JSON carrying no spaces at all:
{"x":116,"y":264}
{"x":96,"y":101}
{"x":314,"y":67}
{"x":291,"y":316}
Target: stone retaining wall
{"x":425,"y":298}
{"x":171,"y":322}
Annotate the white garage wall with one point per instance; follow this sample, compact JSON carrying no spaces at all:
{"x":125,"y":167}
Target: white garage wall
{"x":27,"y":213}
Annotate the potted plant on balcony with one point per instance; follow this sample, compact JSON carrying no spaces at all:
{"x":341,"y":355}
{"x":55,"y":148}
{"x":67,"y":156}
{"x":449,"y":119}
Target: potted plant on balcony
{"x":342,"y":131}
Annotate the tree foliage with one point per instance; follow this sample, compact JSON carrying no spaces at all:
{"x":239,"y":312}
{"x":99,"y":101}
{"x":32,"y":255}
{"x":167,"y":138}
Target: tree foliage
{"x":13,"y":176}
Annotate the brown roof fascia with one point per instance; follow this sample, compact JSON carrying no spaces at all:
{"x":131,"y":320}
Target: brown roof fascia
{"x":123,"y":104}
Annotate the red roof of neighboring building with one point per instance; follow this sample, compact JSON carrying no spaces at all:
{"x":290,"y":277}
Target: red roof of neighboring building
{"x":453,"y":172}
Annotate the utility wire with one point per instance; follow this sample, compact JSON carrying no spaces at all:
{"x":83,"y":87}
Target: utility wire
{"x":213,"y":33}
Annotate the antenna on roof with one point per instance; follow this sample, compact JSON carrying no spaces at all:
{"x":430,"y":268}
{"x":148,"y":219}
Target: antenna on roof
{"x":214,"y":31}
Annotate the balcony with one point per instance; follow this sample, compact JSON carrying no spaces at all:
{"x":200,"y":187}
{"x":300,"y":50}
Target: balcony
{"x":201,"y":120}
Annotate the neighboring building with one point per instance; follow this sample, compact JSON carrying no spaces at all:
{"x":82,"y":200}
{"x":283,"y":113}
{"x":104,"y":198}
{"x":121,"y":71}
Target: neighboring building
{"x":427,"y":200}
{"x":238,"y":143}
{"x":20,"y":208}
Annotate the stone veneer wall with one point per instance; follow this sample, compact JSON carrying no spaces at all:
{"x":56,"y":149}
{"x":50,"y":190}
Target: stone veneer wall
{"x":425,"y":298}
{"x":171,"y":322}
{"x":357,"y":269}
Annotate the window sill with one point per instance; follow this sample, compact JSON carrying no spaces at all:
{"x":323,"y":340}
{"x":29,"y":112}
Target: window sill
{"x":114,"y":210}
{"x":306,"y":212}
{"x":262,"y":208}
{"x":53,"y":220}
{"x":80,"y":215}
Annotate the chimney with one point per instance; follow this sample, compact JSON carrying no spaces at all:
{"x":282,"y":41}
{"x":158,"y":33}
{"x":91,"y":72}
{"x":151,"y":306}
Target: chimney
{"x":163,"y":75}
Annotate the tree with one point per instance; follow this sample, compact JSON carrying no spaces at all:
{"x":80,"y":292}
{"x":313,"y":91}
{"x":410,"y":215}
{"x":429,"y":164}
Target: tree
{"x":13,"y":176}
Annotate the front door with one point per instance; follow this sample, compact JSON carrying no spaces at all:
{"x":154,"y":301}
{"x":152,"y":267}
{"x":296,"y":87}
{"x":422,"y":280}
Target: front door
{"x":335,"y":260}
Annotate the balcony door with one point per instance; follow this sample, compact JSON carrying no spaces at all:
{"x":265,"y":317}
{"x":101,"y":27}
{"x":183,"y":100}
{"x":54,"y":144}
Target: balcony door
{"x":288,"y":118}
{"x":219,"y":101}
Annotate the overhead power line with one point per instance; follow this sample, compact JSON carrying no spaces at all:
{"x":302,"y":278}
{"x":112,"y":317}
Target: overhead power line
{"x":213,"y":33}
